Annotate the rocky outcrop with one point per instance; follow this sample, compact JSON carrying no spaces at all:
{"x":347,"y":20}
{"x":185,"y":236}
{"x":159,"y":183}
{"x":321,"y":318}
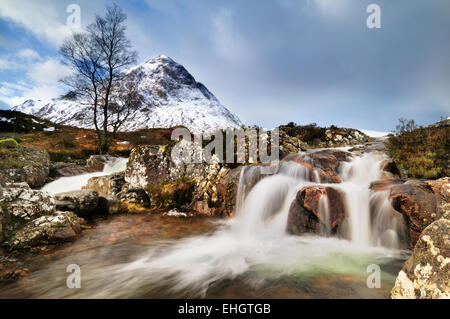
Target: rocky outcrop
{"x":97,"y":162}
{"x":57,"y":228}
{"x":19,"y":205}
{"x":110,"y":205}
{"x":290,"y":145}
{"x":217,"y":196}
{"x":11,"y":269}
{"x":316,"y":209}
{"x":421,"y":202}
{"x":426,"y":274}
{"x":25,"y":164}
{"x":29,"y":218}
{"x":63,"y":169}
{"x":107,"y":185}
{"x":84,"y":202}
{"x":323,"y":165}
{"x":384,"y":184}
{"x":312,"y":136}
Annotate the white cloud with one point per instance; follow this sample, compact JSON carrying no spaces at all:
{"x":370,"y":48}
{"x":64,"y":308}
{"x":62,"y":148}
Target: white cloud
{"x":18,"y":61}
{"x":28,"y":54}
{"x":42,"y":18}
{"x":226,"y":38}
{"x":49,"y":71}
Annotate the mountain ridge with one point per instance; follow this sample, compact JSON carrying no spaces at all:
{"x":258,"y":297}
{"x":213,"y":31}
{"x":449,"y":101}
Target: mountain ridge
{"x":171,"y":95}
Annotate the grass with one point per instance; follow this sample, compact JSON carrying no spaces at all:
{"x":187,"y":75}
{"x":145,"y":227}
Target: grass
{"x":171,"y":194}
{"x":66,"y":143}
{"x":10,"y":157}
{"x":422,"y":152}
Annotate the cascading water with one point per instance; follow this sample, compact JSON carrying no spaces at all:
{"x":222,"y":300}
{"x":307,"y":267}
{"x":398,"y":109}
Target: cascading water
{"x":72,"y":183}
{"x":254,"y":247}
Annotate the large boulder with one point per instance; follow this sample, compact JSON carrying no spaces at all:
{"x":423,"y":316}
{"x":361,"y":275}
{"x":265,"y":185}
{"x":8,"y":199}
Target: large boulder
{"x":426,"y":274}
{"x":107,"y":185}
{"x":28,"y":218}
{"x":19,"y":204}
{"x":63,"y":169}
{"x":171,"y":183}
{"x":217,"y":196}
{"x":24,"y":164}
{"x":316,"y":209}
{"x":323,"y":165}
{"x":84,"y":202}
{"x":110,"y":205}
{"x":57,"y":228}
{"x":98,"y":162}
{"x":421,"y":202}
{"x":151,"y":164}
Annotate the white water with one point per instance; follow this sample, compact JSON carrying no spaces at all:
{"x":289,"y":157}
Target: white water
{"x":255,"y":244}
{"x":73,"y":183}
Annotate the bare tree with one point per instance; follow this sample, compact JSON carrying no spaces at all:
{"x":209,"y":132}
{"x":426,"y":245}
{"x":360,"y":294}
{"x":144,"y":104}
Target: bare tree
{"x":405,"y":126}
{"x":99,"y":57}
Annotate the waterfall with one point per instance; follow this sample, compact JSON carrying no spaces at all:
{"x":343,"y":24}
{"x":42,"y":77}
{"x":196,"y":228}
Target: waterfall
{"x":370,"y":218}
{"x":73,"y":183}
{"x":254,"y":245}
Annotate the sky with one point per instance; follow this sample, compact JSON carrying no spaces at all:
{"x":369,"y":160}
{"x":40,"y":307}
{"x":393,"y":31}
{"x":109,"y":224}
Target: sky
{"x":269,"y":62}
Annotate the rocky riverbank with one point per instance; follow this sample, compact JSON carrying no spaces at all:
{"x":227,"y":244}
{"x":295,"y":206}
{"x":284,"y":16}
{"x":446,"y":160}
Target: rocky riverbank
{"x":31,"y":220}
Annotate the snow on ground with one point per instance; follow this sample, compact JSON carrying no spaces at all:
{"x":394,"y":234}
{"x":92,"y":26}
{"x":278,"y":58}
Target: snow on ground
{"x":375,"y":133}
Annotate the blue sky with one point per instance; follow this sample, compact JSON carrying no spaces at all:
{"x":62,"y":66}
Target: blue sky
{"x":270,"y":62}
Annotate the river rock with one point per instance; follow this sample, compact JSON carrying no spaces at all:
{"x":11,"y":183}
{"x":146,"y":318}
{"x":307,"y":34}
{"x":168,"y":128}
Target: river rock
{"x":384,"y":184}
{"x":107,"y":185}
{"x":19,"y":204}
{"x":421,"y":202}
{"x":426,"y":274}
{"x":97,"y":162}
{"x":110,"y":205}
{"x":63,"y":169}
{"x":306,"y":215}
{"x":57,"y":228}
{"x":11,"y":269}
{"x":134,"y":195}
{"x":28,"y":218}
{"x":84,"y":202}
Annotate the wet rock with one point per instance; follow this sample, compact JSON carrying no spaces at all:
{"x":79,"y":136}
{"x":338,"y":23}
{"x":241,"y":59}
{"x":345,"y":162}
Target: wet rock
{"x":421,"y":202}
{"x":172,"y":194}
{"x":63,"y":169}
{"x":97,"y":162}
{"x":322,"y":164}
{"x":384,"y":184}
{"x":11,"y":269}
{"x":49,"y":229}
{"x":84,"y":202}
{"x":134,"y":195}
{"x":107,"y":185}
{"x":426,"y":274}
{"x":110,"y":205}
{"x":308,"y":214}
{"x":390,"y":168}
{"x":218,"y":196}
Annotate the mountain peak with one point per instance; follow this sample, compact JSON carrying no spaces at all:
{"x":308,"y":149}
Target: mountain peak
{"x":171,"y":97}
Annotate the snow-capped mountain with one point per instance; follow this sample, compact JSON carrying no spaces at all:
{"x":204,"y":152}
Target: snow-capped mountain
{"x":171,"y":97}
